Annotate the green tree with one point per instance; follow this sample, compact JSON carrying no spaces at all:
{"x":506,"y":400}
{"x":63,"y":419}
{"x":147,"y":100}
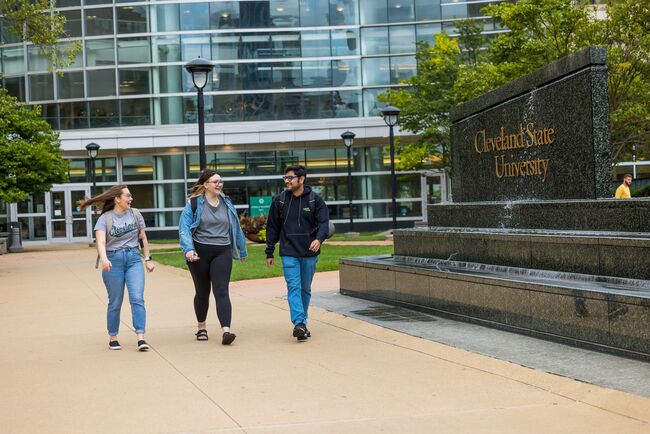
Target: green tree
{"x":37,"y":21}
{"x":540,"y":31}
{"x":30,"y":155}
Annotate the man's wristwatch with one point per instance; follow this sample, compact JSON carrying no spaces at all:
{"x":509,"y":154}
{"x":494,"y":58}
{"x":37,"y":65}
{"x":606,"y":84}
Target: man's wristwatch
{"x":147,"y":258}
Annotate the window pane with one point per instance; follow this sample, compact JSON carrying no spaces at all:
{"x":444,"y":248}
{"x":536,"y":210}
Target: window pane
{"x":371,"y":105}
{"x":106,"y":169}
{"x":287,"y":106}
{"x":255,"y":45}
{"x":49,"y":112}
{"x":12,"y":60}
{"x":71,"y":85}
{"x":376,"y":71}
{"x":72,"y":22}
{"x":167,"y":19}
{"x":286,"y":75}
{"x":317,"y":74}
{"x":321,"y":161}
{"x":427,"y":9}
{"x":166,"y":49}
{"x":290,"y":158}
{"x":285,"y":44}
{"x":426,"y":32}
{"x":373,"y":11}
{"x":227,"y":108}
{"x":314,"y":13}
{"x":171,"y":195}
{"x":136,"y":112}
{"x":402,"y":68}
{"x":343,"y":12}
{"x":33,"y":228}
{"x":170,"y":167}
{"x":454,"y":11}
{"x":317,"y":105}
{"x":225,"y":46}
{"x":224,"y":15}
{"x":171,"y":110}
{"x":41,"y":87}
{"x":193,"y":46}
{"x":73,"y":115}
{"x":347,"y":104}
{"x":99,"y":21}
{"x":132,"y":19}
{"x":133,"y":50}
{"x":103,"y":114}
{"x":135,"y":81}
{"x":231,"y":164}
{"x":169,"y":79}
{"x":138,"y":168}
{"x":374,"y":40}
{"x":78,"y":170}
{"x":227,"y":77}
{"x":284,"y":13}
{"x":346,"y":72}
{"x":77,"y":62}
{"x":194,"y":16}
{"x":36,"y":61}
{"x":16,"y":87}
{"x":101,"y":82}
{"x":142,"y":195}
{"x":100,"y":52}
{"x":345,"y":42}
{"x":257,"y":107}
{"x":256,"y":75}
{"x":261,"y":163}
{"x":402,"y":39}
{"x":400,"y":11}
{"x":315,"y":44}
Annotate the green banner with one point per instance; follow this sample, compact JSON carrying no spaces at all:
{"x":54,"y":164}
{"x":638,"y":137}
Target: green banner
{"x":259,"y":205}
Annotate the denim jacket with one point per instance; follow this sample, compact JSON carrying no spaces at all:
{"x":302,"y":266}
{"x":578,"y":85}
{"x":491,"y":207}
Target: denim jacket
{"x":188,"y":224}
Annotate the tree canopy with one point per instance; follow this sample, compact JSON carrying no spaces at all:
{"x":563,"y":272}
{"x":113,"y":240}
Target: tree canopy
{"x":37,"y":21}
{"x":30,"y":155}
{"x":540,"y":32}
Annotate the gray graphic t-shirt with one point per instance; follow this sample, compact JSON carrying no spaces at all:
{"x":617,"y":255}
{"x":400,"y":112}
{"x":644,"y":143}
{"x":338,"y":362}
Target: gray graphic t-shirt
{"x":124,"y":231}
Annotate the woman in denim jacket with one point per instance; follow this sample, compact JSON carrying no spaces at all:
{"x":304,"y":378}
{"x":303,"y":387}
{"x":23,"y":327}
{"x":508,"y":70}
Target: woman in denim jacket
{"x":210,"y":237}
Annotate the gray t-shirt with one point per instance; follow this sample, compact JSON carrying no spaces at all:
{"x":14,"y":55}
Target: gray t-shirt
{"x":124,"y":230}
{"x":214,"y":225}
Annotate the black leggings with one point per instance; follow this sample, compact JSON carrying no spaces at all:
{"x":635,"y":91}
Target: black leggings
{"x":213,"y":267}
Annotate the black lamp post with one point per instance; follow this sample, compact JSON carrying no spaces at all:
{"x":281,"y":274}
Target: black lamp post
{"x":348,"y":139}
{"x":200,"y":70}
{"x":390,"y":115}
{"x":93,"y":150}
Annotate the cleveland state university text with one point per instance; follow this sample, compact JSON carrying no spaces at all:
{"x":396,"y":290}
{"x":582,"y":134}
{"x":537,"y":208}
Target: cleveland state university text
{"x":523,"y":138}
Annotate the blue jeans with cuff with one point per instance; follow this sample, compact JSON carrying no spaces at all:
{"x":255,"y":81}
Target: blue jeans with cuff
{"x":126,"y":269}
{"x":299,"y":273}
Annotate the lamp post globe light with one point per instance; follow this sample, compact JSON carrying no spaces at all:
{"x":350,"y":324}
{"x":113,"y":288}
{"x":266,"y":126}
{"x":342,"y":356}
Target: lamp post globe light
{"x":93,"y":150}
{"x":348,"y":140}
{"x":200,"y":70}
{"x":391,"y":115}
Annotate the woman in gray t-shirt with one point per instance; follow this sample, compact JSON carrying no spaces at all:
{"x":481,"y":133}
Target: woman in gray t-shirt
{"x":118,"y":231}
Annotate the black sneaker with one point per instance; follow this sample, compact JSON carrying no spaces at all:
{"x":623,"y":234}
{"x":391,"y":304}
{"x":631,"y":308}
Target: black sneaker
{"x":143,"y":345}
{"x":114,"y":345}
{"x":300,"y":332}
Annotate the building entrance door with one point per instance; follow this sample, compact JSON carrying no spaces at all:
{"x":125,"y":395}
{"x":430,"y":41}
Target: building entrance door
{"x":67,"y":221}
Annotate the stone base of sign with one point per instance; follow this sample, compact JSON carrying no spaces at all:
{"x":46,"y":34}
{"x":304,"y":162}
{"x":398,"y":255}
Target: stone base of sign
{"x":606,"y":314}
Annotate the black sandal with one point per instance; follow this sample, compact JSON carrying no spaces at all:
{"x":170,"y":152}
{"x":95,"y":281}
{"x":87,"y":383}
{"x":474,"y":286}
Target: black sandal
{"x":202,"y":335}
{"x":228,"y":338}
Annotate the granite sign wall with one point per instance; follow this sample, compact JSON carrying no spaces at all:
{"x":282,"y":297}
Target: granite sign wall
{"x":544,"y":136}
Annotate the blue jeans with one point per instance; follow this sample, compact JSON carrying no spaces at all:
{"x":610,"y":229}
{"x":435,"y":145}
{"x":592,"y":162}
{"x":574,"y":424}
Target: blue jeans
{"x":126,"y":269}
{"x":298,"y":273}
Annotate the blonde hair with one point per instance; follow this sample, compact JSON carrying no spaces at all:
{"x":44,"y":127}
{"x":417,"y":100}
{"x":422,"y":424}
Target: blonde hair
{"x":198,"y":188}
{"x":105,"y":200}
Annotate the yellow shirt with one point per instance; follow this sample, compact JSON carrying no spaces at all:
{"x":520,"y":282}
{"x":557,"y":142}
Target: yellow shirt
{"x":623,"y":192}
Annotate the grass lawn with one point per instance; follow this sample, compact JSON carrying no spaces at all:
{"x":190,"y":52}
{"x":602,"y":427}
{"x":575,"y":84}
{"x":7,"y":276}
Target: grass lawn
{"x":255,"y":267}
{"x":363,"y":236}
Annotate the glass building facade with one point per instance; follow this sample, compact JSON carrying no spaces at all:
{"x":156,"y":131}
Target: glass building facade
{"x":289,"y":64}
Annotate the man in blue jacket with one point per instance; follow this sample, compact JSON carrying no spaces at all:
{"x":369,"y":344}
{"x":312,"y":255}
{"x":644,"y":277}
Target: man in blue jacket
{"x":298,"y":219}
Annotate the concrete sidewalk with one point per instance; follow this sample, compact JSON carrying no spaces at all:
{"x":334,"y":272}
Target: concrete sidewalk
{"x":58,"y":376}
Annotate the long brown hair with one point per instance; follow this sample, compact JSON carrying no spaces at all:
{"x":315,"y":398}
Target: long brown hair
{"x":198,"y":188}
{"x":105,"y":200}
